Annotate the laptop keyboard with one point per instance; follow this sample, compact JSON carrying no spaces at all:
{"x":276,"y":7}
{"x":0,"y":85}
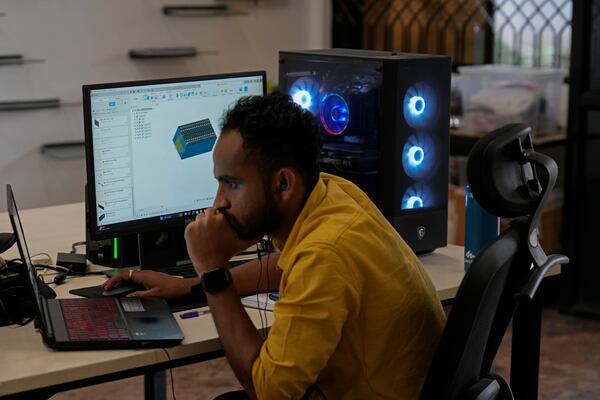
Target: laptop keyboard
{"x":93,"y":320}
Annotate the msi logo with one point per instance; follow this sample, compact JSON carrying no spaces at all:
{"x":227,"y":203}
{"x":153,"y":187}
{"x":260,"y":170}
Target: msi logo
{"x":421,"y":232}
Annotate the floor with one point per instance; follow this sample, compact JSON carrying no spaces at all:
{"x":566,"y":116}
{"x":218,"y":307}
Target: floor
{"x":569,"y":368}
{"x":569,"y":359}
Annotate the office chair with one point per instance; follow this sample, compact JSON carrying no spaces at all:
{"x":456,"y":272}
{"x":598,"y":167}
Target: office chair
{"x":508,"y":179}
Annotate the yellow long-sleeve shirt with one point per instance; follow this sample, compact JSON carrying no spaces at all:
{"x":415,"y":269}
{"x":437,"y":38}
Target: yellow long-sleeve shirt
{"x":358,"y":315}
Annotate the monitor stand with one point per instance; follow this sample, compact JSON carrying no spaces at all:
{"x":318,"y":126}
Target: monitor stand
{"x":161,"y":249}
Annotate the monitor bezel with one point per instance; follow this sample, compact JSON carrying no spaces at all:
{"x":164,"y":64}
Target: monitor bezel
{"x":145,"y":224}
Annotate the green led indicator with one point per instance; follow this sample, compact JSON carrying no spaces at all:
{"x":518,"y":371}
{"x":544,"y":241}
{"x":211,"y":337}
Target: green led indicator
{"x":116,"y":253}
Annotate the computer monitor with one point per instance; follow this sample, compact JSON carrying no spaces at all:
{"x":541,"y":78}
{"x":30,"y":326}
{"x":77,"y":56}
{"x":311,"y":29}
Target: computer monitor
{"x":149,"y":149}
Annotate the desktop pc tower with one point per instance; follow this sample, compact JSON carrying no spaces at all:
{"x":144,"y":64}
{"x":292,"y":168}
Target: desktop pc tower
{"x":384,"y":120}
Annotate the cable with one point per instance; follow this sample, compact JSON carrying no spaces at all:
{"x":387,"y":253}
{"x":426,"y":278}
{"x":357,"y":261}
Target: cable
{"x":77,"y":244}
{"x":265,"y":247}
{"x":12,"y":260}
{"x":58,"y":268}
{"x":55,"y":268}
{"x":48,"y":257}
{"x":8,"y":266}
{"x":247,"y":253}
{"x":262,"y":324}
{"x":170,"y":373}
{"x":63,"y":272}
{"x":60,"y":277}
{"x":263,"y":311}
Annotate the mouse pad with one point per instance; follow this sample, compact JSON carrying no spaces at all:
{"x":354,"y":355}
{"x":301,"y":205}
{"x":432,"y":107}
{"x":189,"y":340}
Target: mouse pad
{"x":180,"y":304}
{"x":90,"y":291}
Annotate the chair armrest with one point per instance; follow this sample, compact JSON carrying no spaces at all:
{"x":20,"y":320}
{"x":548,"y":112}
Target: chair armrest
{"x":528,"y":290}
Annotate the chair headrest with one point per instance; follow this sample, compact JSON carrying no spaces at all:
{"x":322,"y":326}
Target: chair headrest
{"x":500,"y":174}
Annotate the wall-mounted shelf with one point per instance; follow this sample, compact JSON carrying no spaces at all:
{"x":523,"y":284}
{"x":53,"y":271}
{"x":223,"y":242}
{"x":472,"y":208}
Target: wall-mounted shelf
{"x":64,"y":150}
{"x":168,"y":52}
{"x":33,"y":104}
{"x":17,"y":59}
{"x":9,"y":59}
{"x":204,"y":10}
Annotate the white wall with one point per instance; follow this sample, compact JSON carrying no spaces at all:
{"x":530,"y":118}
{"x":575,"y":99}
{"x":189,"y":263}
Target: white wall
{"x":87,"y":41}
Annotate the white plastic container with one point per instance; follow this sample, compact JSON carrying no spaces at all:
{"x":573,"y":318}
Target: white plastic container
{"x":495,"y":95}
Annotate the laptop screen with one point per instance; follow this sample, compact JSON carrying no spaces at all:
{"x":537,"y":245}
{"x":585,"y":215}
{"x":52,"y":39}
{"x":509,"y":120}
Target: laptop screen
{"x":29,"y":269}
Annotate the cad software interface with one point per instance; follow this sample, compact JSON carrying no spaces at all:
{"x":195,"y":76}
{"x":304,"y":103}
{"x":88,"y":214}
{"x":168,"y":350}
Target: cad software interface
{"x":152,"y":146}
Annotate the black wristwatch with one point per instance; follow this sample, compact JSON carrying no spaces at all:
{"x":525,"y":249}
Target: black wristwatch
{"x":214,"y":281}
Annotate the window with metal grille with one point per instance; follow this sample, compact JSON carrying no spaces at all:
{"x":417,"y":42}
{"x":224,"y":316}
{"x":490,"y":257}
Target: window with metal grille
{"x":521,"y":32}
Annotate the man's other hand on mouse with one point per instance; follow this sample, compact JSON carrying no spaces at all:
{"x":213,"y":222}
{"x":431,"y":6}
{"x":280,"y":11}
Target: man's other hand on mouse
{"x":157,"y":284}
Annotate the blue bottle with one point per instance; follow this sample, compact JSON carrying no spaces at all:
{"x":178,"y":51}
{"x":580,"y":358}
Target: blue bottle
{"x":481,"y":228}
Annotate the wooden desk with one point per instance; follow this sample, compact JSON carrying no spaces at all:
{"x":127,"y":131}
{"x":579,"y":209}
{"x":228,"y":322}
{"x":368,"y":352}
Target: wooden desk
{"x":446,"y":269}
{"x":30,"y":365}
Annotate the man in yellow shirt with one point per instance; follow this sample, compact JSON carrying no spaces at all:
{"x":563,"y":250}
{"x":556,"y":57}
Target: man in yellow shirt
{"x":357,"y":318}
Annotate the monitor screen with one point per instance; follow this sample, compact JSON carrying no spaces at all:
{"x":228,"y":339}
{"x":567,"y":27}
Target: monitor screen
{"x":149,"y":148}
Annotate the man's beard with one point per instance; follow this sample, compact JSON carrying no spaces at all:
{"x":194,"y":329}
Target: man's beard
{"x":265,"y":221}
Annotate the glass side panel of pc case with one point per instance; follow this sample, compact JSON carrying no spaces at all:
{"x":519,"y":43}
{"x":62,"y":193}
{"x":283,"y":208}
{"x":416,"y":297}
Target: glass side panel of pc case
{"x":344,"y":97}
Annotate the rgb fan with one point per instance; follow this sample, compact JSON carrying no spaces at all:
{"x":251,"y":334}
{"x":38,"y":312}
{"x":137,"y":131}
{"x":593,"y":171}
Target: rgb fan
{"x":305,"y":93}
{"x":419,"y":156}
{"x":417,"y":196}
{"x":420,"y":105}
{"x":335,"y":114}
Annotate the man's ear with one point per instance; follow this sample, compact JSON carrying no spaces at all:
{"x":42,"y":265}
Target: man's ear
{"x":286,"y":180}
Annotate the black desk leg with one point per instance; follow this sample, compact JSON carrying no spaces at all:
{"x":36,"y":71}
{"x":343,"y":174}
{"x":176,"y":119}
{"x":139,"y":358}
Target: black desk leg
{"x":525,"y":357}
{"x":155,"y":385}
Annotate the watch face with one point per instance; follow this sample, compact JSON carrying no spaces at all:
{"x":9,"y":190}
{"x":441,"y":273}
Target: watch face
{"x":216,"y":279}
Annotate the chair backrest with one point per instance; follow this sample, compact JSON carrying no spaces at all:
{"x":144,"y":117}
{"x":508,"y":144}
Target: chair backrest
{"x":510,"y":180}
{"x":475,"y":324}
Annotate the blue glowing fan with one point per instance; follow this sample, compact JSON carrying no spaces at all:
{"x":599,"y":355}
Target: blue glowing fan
{"x":417,"y":196}
{"x":305,"y":93}
{"x":420,"y":105}
{"x":419,"y":156}
{"x":335,"y":113}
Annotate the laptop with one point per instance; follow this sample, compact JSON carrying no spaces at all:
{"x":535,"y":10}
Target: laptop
{"x":94,"y":323}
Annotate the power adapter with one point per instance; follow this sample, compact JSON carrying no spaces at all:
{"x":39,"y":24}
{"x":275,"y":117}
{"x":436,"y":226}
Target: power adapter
{"x":74,"y":262}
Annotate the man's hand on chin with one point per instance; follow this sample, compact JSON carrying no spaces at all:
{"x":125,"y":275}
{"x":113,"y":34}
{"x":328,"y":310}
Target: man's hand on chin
{"x":211,"y":241}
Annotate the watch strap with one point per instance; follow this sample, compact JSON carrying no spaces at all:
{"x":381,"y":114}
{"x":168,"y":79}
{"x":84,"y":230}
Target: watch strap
{"x":197,"y":289}
{"x":215,"y":280}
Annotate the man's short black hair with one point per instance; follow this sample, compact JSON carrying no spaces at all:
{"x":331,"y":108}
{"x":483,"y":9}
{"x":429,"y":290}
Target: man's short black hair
{"x":277,"y":132}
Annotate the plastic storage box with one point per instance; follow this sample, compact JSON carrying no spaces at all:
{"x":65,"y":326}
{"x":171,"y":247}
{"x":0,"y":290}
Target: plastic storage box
{"x":495,"y":95}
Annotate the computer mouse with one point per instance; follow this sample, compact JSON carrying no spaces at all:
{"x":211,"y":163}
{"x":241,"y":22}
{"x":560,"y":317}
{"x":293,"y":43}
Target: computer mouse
{"x":123,"y":289}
